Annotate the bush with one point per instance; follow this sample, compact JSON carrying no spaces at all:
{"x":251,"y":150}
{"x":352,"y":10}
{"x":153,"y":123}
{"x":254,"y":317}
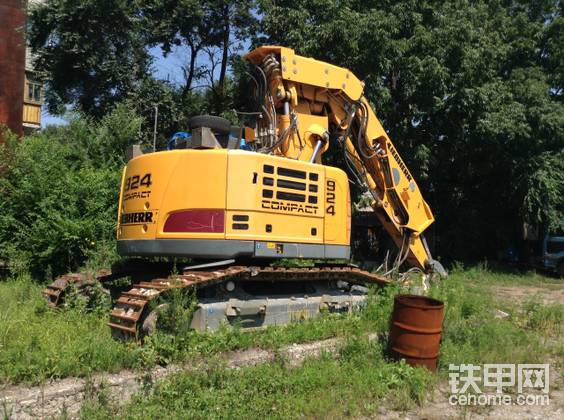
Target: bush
{"x":60,"y":189}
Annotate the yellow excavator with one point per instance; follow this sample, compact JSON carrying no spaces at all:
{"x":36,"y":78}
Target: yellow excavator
{"x":241,"y":198}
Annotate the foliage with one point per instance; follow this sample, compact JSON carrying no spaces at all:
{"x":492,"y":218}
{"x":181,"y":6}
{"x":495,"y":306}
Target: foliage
{"x":88,"y":298}
{"x":174,"y":110}
{"x":472,"y":333}
{"x":543,"y":186}
{"x":90,"y":52}
{"x":176,"y":316}
{"x":356,"y":384}
{"x":545,"y":318}
{"x":60,"y":190}
{"x":471,"y":93}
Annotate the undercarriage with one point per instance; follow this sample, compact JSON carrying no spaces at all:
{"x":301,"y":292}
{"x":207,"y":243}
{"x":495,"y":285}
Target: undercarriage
{"x":226,"y":294}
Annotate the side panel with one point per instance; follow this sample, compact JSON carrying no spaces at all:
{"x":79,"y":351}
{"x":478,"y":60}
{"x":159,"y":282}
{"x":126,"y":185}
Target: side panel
{"x":159,"y":184}
{"x":284,"y":227}
{"x":198,"y":181}
{"x":270,"y":207}
{"x":337,"y":207}
{"x":274,"y":199}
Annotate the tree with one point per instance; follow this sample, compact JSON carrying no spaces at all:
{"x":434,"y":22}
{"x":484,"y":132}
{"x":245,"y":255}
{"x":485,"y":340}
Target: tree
{"x":471,"y":92}
{"x":94,"y":54}
{"x":542,"y":191}
{"x":211,"y":33}
{"x":91,"y":53}
{"x":177,"y":23}
{"x":175,"y":107}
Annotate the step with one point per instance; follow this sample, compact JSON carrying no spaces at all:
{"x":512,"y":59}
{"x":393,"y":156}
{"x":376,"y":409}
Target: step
{"x":152,"y":285}
{"x":137,"y":296}
{"x":131,"y":330}
{"x":123,"y":300}
{"x":116,"y":313}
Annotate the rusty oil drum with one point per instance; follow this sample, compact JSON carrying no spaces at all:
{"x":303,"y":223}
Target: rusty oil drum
{"x":415,"y":330}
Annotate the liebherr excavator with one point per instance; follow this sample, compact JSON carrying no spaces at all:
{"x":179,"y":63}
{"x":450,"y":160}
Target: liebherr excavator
{"x":248,"y":196}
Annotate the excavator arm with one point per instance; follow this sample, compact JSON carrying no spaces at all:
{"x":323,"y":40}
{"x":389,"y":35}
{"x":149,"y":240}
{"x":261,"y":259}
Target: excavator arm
{"x":303,"y":103}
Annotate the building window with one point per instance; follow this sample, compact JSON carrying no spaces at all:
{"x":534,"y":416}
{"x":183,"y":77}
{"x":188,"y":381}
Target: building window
{"x":33,"y":92}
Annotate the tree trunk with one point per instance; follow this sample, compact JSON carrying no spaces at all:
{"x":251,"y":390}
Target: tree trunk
{"x":192,"y":68}
{"x":225,"y":57}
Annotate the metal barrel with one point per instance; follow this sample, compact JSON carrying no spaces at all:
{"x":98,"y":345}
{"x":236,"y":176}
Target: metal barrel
{"x":415,"y":330}
{"x":12,"y":63}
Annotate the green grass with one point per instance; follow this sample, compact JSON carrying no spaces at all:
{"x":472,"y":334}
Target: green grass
{"x":472,"y":333}
{"x":363,"y":378}
{"x":37,"y":344}
{"x":356,"y":384}
{"x":493,"y":273}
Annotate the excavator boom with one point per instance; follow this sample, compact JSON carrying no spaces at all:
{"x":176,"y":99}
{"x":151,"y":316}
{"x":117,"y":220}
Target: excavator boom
{"x":305,"y":88}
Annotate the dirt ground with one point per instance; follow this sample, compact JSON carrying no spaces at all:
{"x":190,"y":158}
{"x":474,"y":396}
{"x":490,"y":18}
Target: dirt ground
{"x":440,"y":408}
{"x":548,"y":294}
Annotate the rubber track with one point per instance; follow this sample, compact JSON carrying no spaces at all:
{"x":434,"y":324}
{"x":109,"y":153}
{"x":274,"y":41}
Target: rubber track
{"x":126,"y":316}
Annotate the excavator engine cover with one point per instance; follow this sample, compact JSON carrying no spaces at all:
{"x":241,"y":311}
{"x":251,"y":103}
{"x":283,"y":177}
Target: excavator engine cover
{"x":218,"y":203}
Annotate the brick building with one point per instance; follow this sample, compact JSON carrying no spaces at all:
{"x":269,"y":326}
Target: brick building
{"x":20,"y":93}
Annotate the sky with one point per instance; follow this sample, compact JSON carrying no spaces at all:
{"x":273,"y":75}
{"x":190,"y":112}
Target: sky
{"x":48,"y":119}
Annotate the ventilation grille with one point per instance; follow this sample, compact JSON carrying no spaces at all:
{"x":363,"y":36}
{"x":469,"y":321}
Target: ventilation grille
{"x":238,"y":218}
{"x":301,"y":187}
